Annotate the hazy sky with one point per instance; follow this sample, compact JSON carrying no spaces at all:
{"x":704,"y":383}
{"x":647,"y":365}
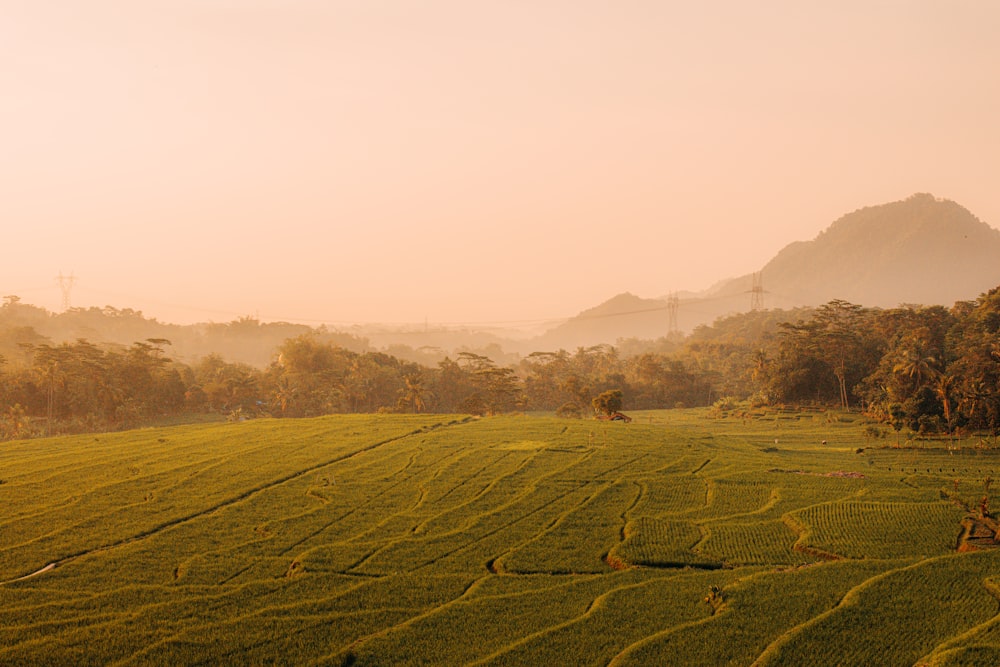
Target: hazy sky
{"x":466,"y":160}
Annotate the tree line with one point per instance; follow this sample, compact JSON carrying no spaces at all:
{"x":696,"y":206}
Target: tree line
{"x":929,"y":369}
{"x":80,"y":387}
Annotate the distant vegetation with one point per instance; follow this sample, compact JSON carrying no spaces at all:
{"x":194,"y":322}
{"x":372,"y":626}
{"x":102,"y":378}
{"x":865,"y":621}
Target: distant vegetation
{"x":915,"y":369}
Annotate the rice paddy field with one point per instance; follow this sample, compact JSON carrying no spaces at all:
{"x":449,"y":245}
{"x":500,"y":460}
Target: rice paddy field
{"x":782,"y":538}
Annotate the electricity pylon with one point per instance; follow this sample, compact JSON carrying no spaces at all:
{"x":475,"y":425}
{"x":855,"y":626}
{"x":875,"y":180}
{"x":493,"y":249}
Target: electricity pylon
{"x":672,"y":302}
{"x":66,"y":285}
{"x":757,"y":292}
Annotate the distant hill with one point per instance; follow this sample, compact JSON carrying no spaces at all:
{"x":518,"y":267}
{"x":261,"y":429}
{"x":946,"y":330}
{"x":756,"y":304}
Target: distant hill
{"x":245,"y":340}
{"x":623,"y":316}
{"x":922,"y":250}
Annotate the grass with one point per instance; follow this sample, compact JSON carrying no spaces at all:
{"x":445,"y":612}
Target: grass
{"x":387,"y":539}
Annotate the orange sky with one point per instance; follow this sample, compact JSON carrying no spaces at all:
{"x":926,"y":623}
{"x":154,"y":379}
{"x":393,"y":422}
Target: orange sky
{"x":466,"y":161}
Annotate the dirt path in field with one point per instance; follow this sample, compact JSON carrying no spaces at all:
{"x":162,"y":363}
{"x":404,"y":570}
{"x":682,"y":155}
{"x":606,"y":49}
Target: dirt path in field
{"x":978,"y":532}
{"x":50,"y":566}
{"x":229,"y":502}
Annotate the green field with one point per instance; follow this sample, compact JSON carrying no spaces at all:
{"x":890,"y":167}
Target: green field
{"x":678,"y":539}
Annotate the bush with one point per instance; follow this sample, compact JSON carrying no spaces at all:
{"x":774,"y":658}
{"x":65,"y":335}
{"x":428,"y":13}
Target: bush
{"x":608,"y":402}
{"x":724,"y":406}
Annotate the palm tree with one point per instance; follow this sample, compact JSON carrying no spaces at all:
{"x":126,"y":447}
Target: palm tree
{"x":915,"y":366}
{"x":413,"y":392}
{"x":284,"y":393}
{"x":916,"y":357}
{"x":943,"y":385}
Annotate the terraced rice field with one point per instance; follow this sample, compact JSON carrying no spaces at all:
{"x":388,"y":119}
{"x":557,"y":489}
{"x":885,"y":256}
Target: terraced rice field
{"x":394,"y":540}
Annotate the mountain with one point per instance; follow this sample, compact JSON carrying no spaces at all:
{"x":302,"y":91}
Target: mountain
{"x":922,"y":250}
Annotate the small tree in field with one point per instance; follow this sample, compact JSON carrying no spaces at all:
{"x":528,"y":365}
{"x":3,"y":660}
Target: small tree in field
{"x":608,"y":402}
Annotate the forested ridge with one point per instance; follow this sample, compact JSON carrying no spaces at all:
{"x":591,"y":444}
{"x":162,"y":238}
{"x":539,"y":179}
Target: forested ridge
{"x":915,"y":368}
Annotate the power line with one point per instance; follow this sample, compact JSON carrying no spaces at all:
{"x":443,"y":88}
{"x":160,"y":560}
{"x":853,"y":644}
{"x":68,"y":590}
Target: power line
{"x":673,"y":304}
{"x":22,"y":290}
{"x":274,"y":317}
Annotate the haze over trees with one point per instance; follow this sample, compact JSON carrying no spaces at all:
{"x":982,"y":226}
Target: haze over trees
{"x":926,"y":369}
{"x":920,"y":368}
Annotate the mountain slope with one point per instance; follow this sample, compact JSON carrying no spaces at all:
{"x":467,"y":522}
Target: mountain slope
{"x":919,"y":250}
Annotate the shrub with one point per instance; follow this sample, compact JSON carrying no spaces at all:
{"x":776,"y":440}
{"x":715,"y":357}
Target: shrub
{"x":724,"y":406}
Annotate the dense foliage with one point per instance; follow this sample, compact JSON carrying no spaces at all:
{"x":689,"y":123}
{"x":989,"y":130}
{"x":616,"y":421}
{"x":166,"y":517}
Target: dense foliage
{"x":925,"y":369}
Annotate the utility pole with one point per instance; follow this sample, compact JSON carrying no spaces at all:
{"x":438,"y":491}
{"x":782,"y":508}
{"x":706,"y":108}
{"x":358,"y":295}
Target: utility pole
{"x":757,"y":292}
{"x":672,"y":302}
{"x":66,"y":285}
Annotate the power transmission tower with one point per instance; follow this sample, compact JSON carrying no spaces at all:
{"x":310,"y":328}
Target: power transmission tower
{"x":672,"y":302}
{"x":66,"y":285}
{"x":757,"y":292}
